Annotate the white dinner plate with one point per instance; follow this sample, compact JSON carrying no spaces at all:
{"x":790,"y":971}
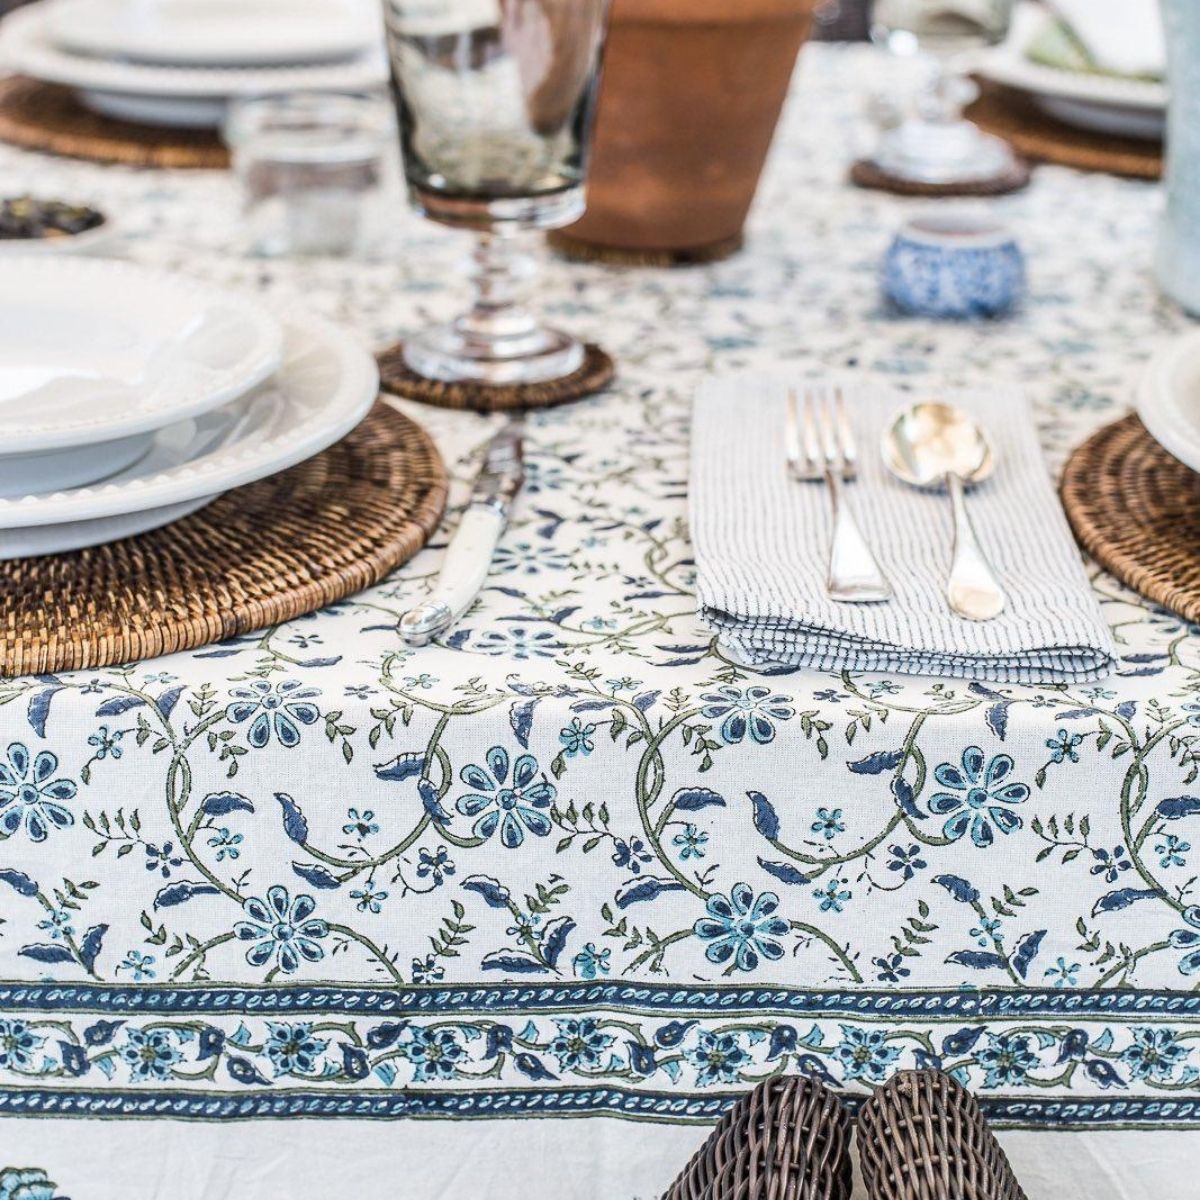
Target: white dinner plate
{"x":216,"y":33}
{"x":326,"y":385}
{"x":1148,"y":124}
{"x":1009,"y":64}
{"x":1168,"y":401}
{"x":95,"y":349}
{"x":26,"y":47}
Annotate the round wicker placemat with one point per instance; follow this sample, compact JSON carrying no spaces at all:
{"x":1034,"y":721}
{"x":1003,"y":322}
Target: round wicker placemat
{"x":398,"y":379}
{"x":867,"y":174}
{"x":1136,"y":511}
{"x":48,"y":118}
{"x":578,"y":250}
{"x":258,"y":555}
{"x":1013,"y":116}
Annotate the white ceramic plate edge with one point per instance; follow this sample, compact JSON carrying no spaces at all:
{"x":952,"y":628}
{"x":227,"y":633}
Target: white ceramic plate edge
{"x":1160,"y":411}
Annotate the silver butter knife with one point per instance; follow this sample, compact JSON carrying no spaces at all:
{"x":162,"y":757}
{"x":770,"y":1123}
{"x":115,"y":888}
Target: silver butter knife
{"x":469,"y":555}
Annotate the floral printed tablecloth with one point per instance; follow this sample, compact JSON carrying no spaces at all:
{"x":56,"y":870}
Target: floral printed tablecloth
{"x":573,"y":862}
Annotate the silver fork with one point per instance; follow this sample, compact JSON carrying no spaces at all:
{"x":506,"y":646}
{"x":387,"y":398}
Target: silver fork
{"x":820,"y":447}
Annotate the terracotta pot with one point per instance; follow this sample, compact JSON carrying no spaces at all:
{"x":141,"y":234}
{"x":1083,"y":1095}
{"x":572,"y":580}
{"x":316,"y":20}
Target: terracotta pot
{"x":691,"y":94}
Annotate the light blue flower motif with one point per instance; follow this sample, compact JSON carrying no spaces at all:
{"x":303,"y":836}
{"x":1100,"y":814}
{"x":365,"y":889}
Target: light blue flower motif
{"x":578,"y":1044}
{"x":150,"y":1054}
{"x":424,"y":681}
{"x":829,"y":823}
{"x":106,"y":744}
{"x":753,"y":711}
{"x":275,"y":707}
{"x":1173,"y":851}
{"x":360,"y":824}
{"x":27,"y":1183}
{"x":512,"y":807}
{"x":435,"y":1054}
{"x":865,"y":1054}
{"x":370,"y":899}
{"x":833,"y":896}
{"x":975,"y":797}
{"x":524,"y":558}
{"x":987,"y":931}
{"x":17,"y":1044}
{"x":717,"y":1058}
{"x":292,"y":1049}
{"x":282,"y":929}
{"x":1007,"y":1059}
{"x":1063,"y":973}
{"x":1063,"y":746}
{"x":139,"y":965}
{"x":29,"y":798}
{"x":58,"y":924}
{"x":1189,"y":940}
{"x":590,"y":962}
{"x":226,"y":844}
{"x":1154,"y":1054}
{"x":576,"y":739}
{"x":691,"y":842}
{"x":1193,"y":714}
{"x":742,"y":928}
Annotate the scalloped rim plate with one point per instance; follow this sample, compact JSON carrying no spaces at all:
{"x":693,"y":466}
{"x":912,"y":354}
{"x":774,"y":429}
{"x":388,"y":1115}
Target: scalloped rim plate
{"x":326,"y":385}
{"x":99,"y":349}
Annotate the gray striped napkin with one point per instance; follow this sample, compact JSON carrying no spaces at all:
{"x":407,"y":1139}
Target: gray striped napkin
{"x":761,"y":543}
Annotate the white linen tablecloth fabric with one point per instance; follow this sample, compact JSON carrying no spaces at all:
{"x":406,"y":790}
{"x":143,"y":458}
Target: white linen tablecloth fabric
{"x":762,"y":547}
{"x":1122,"y":36}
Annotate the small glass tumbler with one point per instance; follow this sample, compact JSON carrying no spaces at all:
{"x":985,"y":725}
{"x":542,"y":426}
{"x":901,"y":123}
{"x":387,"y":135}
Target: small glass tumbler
{"x":311,"y":166}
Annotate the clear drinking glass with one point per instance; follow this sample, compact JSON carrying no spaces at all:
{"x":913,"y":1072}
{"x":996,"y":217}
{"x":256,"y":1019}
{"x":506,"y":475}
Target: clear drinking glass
{"x":938,"y":145}
{"x":495,"y":100}
{"x":311,"y":166}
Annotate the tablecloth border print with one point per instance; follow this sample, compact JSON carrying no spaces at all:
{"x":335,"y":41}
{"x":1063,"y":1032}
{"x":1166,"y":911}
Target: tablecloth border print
{"x":1111,"y":1059}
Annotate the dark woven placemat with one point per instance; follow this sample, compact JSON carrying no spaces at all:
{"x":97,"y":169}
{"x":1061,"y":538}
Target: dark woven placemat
{"x":1136,"y":511}
{"x":865,"y":173}
{"x":921,"y":1136}
{"x":1012,"y":115}
{"x":788,"y":1139}
{"x":256,"y":556}
{"x":578,"y":250}
{"x":399,"y":379}
{"x":48,"y":118}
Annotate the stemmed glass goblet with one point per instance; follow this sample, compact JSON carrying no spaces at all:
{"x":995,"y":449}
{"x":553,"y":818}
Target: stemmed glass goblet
{"x":495,"y":100}
{"x":938,"y":145}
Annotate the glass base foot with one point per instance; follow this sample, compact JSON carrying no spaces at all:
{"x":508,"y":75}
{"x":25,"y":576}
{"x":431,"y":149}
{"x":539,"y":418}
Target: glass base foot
{"x":943,"y":152}
{"x":453,"y":354}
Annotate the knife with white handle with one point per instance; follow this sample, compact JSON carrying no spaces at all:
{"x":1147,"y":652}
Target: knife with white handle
{"x":469,"y":555}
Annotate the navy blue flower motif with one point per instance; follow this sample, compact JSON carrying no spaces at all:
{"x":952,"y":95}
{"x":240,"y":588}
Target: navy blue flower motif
{"x":162,"y":859}
{"x":1110,"y":865}
{"x":292,"y":1049}
{"x":282,"y":929}
{"x":512,"y":807}
{"x":578,"y":1044}
{"x":1063,"y":746}
{"x":435,"y":1054}
{"x":865,"y":1054}
{"x":149,"y":1054}
{"x":752,"y":712}
{"x":434,"y":865}
{"x":590,"y":962}
{"x":1006,"y":1059}
{"x":520,"y":643}
{"x":273,"y":707}
{"x":891,"y":969}
{"x":576,"y":738}
{"x":718,"y":1058}
{"x":427,"y":970}
{"x":630,"y":854}
{"x":27,"y":1183}
{"x":1154,"y":1054}
{"x":29,"y":798}
{"x":906,"y":862}
{"x":742,"y":928}
{"x":975,"y":797}
{"x":17,"y":1044}
{"x":1189,"y":940}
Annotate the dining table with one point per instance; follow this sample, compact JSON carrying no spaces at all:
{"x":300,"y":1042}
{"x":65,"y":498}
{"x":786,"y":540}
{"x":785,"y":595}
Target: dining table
{"x":312,"y":913}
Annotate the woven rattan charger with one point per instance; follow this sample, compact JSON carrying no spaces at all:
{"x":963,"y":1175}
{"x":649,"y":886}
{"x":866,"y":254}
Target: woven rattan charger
{"x":1136,"y":510}
{"x":48,"y":118}
{"x":256,"y":556}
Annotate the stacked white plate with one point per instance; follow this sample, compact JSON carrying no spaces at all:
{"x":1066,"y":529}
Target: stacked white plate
{"x":130,"y":398}
{"x":1120,"y":105}
{"x":179,"y":62}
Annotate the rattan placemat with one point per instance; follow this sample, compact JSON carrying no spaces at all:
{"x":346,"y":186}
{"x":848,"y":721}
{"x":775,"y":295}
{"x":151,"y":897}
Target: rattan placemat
{"x":1136,"y":511}
{"x":256,"y":556}
{"x":1012,"y":115}
{"x":866,"y":173}
{"x":399,"y":379}
{"x":46,"y":117}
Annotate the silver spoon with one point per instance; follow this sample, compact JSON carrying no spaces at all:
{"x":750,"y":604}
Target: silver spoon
{"x":936,"y":446}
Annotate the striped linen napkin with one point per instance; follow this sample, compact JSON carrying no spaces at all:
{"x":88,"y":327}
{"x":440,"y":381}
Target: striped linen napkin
{"x":761,"y":543}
